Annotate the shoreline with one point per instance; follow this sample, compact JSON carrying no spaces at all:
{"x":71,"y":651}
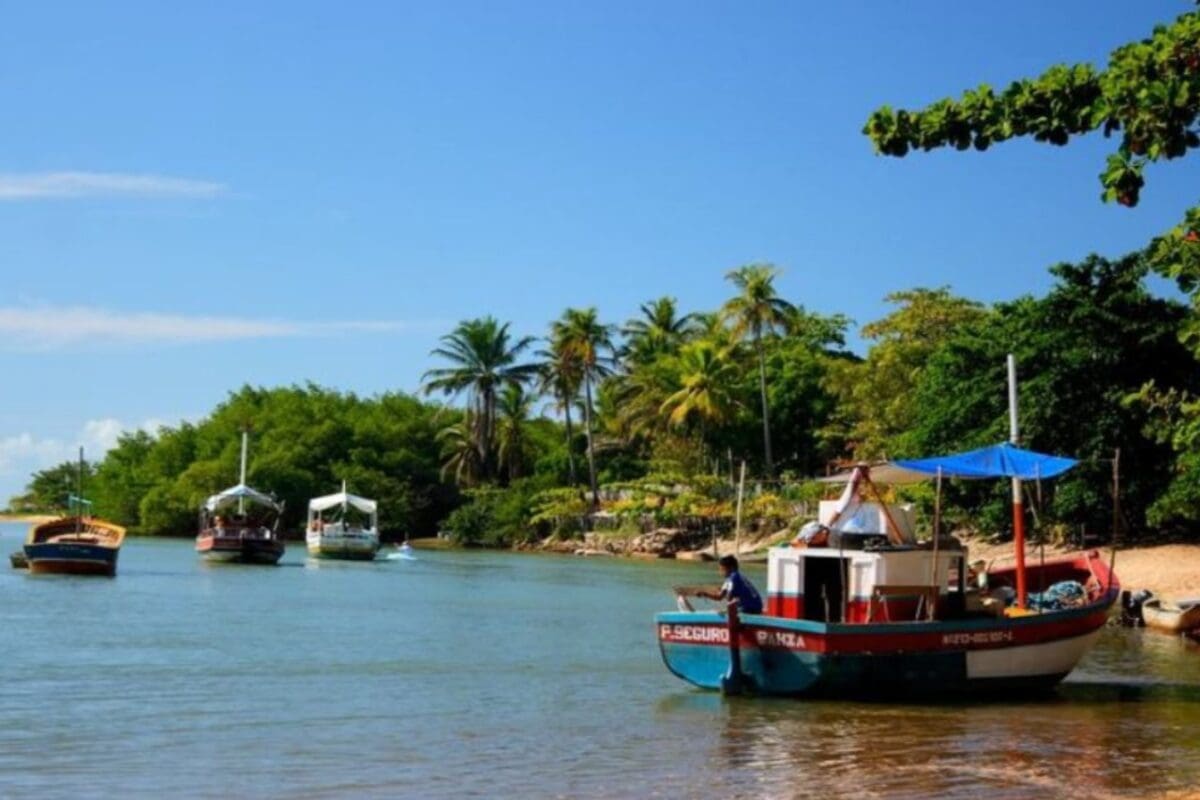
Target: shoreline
{"x":31,"y":519}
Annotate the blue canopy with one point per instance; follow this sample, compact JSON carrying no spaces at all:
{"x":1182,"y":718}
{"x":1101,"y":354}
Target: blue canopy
{"x":998,"y":461}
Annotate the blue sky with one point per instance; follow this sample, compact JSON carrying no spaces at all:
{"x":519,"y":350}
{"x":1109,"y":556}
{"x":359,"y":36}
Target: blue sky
{"x":196,"y":197}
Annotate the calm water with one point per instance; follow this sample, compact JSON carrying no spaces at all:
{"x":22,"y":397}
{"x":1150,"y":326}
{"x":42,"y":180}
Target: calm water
{"x":491,"y":675}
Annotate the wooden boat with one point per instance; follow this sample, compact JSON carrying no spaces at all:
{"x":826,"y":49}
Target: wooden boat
{"x":868,"y":611}
{"x":77,"y":545}
{"x":240,"y":525}
{"x":1171,"y":617}
{"x":342,"y":537}
{"x":878,"y":639}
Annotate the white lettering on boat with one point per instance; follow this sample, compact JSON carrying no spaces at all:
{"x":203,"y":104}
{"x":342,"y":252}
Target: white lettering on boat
{"x":788,"y":639}
{"x":980,"y":637}
{"x":703,"y":634}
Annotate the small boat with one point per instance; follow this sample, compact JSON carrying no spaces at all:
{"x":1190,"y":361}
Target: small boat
{"x":18,"y":560}
{"x":240,"y":525}
{"x":1178,"y":617}
{"x":75,"y":545}
{"x":352,"y":532}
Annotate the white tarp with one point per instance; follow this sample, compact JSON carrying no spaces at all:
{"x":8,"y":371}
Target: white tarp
{"x":884,"y":472}
{"x":240,"y":492}
{"x":342,"y":498}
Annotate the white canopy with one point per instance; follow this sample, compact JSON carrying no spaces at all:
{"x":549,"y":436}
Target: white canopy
{"x":884,"y":472}
{"x":239,"y":492}
{"x":342,"y":498}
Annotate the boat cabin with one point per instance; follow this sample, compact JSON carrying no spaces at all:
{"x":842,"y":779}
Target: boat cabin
{"x":890,"y":583}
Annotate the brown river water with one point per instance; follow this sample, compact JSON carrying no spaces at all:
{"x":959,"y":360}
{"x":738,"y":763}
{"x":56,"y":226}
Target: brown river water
{"x":501,"y":675}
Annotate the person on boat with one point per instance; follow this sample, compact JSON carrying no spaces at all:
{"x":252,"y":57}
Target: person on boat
{"x":736,"y":588}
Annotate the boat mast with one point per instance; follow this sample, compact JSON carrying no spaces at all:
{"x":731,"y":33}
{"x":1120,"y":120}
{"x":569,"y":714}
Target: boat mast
{"x":79,"y":493}
{"x":1018,"y":511}
{"x":242,"y":475}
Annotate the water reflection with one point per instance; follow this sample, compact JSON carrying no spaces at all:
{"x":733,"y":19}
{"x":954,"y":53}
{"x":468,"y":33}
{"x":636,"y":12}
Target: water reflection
{"x":1120,"y":730}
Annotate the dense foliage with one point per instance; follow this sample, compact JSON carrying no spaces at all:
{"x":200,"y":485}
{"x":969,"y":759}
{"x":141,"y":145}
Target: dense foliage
{"x":1149,"y":95}
{"x":304,"y":442}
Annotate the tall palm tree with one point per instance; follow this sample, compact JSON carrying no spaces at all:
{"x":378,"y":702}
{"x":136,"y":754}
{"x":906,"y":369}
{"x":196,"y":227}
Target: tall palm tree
{"x":559,"y":377}
{"x":659,"y":330}
{"x":588,"y":343}
{"x":483,"y":360}
{"x":514,"y":407}
{"x":755,"y":312}
{"x":460,"y":451}
{"x":706,"y":393}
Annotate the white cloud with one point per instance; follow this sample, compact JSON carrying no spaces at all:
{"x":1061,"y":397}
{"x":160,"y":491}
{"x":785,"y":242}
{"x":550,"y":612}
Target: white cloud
{"x":39,"y":185}
{"x":47,"y":328}
{"x":23,"y":454}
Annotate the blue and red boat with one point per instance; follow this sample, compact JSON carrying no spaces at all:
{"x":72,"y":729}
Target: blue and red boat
{"x":78,"y":545}
{"x":862,"y":609}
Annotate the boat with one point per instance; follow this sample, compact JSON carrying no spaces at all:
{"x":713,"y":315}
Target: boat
{"x":865,"y":610}
{"x":240,"y":525}
{"x":78,"y":544}
{"x":18,"y":560}
{"x":1168,"y":617}
{"x":347,"y":536}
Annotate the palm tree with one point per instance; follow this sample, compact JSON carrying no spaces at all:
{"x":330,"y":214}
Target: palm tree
{"x":658,"y":331}
{"x":706,"y":394}
{"x":460,"y":451}
{"x":560,"y":378}
{"x":755,"y":312}
{"x":483,"y":360}
{"x":514,"y":406}
{"x":587,"y":343}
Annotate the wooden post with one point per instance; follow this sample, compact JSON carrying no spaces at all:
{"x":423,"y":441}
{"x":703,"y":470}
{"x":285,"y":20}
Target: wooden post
{"x":734,"y":681}
{"x":1116,"y":488}
{"x":737,"y":530}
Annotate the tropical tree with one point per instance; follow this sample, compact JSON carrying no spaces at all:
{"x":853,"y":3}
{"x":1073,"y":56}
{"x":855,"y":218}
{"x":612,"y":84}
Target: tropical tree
{"x":1149,"y":97}
{"x":559,"y":376}
{"x":660,"y":330}
{"x":461,"y":456}
{"x":484,"y":360}
{"x":706,"y":396}
{"x":880,"y":391}
{"x":515,"y":406}
{"x":756,"y":312}
{"x":588,"y":343}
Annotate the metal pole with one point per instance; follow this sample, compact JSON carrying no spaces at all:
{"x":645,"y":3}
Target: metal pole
{"x":937,"y":534}
{"x":1018,"y":510}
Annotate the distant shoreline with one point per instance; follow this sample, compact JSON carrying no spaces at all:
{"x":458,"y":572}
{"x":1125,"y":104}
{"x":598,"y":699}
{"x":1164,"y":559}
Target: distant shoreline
{"x":32,"y":519}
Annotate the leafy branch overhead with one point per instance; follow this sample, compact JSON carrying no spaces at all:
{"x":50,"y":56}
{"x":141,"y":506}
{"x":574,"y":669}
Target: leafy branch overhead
{"x":1149,"y":95}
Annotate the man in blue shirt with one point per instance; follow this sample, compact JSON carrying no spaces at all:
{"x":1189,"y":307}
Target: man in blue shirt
{"x":736,"y":589}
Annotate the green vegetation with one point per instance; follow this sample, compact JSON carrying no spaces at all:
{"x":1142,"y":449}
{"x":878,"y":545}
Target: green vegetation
{"x":1149,"y":96}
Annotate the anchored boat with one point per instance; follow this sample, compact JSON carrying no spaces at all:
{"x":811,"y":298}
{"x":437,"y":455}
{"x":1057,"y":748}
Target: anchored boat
{"x":240,"y":524}
{"x":351,"y":532}
{"x":865,"y":610}
{"x":78,"y":545}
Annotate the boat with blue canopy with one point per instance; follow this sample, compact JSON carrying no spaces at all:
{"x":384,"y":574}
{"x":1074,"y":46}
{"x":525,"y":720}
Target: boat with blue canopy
{"x":856,"y":606}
